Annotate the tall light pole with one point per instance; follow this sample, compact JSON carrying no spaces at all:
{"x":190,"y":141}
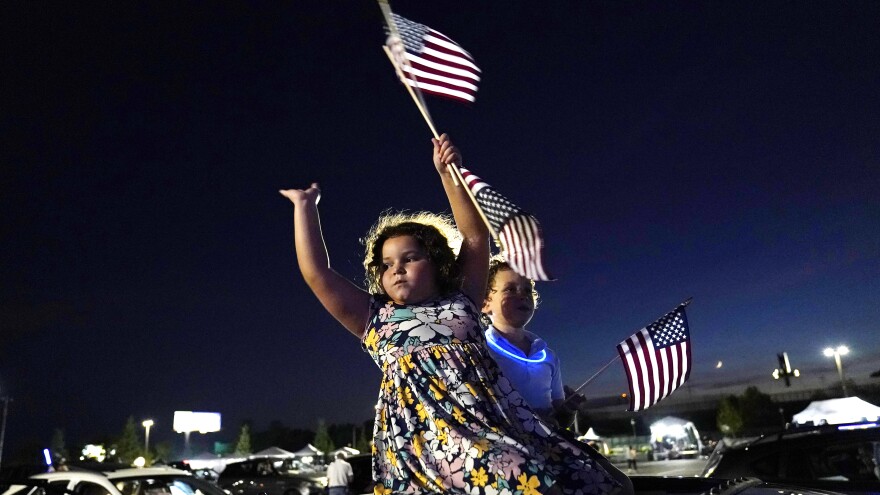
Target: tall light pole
{"x":6,"y":401}
{"x":841,"y":350}
{"x":147,"y":424}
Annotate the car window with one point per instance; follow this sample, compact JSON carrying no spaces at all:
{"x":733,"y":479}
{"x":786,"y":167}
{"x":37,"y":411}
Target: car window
{"x":166,"y":485}
{"x":30,"y":490}
{"x":238,"y":469}
{"x":767,"y":466}
{"x":89,"y":488}
{"x":853,"y":461}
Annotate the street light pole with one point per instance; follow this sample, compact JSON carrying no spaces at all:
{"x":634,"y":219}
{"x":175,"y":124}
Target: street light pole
{"x":839,"y":351}
{"x":3,"y":427}
{"x":147,"y":424}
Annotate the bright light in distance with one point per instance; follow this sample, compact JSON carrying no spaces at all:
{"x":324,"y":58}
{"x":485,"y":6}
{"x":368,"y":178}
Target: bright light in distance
{"x":147,"y":423}
{"x":47,"y":456}
{"x":720,"y":364}
{"x":842,"y":350}
{"x":96,"y":452}
{"x":139,"y":462}
{"x":202,"y":422}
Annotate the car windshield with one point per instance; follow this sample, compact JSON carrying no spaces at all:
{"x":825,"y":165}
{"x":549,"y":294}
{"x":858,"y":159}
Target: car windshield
{"x":165,"y":485}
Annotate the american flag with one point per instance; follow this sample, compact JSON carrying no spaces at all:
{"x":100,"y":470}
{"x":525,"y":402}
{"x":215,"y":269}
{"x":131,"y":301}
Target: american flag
{"x":519,"y":232}
{"x":432,"y":62}
{"x":657,"y":359}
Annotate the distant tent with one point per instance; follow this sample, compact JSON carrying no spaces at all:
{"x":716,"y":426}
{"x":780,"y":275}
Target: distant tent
{"x":207,"y":460}
{"x":348,"y":451}
{"x":273,"y":452}
{"x":589,"y":435}
{"x":204,"y":456}
{"x":837,"y":411}
{"x":308,"y":450}
{"x":677,"y":436}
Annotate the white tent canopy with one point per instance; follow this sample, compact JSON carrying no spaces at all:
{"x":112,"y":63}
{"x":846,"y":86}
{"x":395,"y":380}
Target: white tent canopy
{"x":590,"y":435}
{"x":837,"y":411}
{"x":677,"y":434}
{"x":273,"y":452}
{"x":308,"y":450}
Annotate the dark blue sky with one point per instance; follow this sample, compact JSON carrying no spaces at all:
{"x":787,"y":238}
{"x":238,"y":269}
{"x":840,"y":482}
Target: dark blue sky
{"x":728,"y":151}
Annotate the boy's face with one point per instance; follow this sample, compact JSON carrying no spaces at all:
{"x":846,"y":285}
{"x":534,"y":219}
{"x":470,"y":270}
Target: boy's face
{"x":407,"y":272}
{"x":510,"y":303}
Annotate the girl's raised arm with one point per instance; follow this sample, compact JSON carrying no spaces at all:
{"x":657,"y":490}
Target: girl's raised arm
{"x":474,"y":255}
{"x":349,"y":304}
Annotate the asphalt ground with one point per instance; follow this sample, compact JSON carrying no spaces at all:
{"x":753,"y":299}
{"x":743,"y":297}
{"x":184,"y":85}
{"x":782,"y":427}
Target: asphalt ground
{"x":677,"y":467}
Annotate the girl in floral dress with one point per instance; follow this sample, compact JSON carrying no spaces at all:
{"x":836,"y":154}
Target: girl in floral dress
{"x":446,"y":420}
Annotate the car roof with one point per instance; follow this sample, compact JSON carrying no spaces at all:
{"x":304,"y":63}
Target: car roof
{"x":817,"y":431}
{"x":67,"y":475}
{"x":149,"y":471}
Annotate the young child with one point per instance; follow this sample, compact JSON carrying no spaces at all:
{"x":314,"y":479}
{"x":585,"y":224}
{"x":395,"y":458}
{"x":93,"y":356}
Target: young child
{"x":525,"y":359}
{"x":526,"y":362}
{"x":443,"y":425}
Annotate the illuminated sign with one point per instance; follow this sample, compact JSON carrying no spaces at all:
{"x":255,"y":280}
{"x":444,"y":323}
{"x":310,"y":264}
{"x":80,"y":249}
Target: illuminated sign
{"x":202,"y":422}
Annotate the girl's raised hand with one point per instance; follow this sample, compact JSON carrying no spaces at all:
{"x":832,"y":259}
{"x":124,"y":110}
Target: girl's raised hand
{"x":445,"y":153}
{"x":303,"y":196}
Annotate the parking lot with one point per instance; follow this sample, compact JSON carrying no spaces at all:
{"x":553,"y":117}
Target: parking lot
{"x":677,"y":467}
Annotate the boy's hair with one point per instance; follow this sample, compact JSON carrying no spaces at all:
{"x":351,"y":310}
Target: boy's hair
{"x":497,"y":263}
{"x":435,"y":233}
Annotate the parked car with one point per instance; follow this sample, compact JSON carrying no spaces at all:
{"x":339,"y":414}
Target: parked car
{"x":201,"y":473}
{"x":643,"y":485}
{"x":145,"y":481}
{"x":843,"y":458}
{"x":59,"y":483}
{"x":267,"y":476}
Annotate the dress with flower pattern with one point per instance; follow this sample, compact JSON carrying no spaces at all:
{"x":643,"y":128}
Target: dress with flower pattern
{"x":447,"y":421}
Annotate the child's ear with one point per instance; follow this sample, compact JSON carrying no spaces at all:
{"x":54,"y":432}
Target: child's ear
{"x":485,"y":310}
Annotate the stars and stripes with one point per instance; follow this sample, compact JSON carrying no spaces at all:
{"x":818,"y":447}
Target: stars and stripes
{"x":519,"y":233}
{"x":433,"y":62}
{"x":657,"y":359}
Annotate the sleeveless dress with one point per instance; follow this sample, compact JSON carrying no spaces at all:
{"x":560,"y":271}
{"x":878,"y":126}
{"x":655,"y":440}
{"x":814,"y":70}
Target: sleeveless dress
{"x":447,"y":421}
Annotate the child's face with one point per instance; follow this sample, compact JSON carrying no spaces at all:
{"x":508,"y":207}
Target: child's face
{"x":510,"y":303}
{"x":408,"y":276}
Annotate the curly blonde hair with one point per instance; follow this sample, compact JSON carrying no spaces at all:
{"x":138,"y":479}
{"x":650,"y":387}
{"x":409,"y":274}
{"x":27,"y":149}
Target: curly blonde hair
{"x":498,"y":263}
{"x":434,"y":232}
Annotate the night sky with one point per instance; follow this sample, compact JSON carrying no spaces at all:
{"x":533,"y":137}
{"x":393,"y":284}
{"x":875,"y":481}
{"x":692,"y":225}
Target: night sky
{"x":728,"y":151}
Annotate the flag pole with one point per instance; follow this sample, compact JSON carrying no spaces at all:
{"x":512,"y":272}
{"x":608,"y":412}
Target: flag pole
{"x":603,"y":368}
{"x":590,"y":379}
{"x":455,"y":172}
{"x":412,"y":93}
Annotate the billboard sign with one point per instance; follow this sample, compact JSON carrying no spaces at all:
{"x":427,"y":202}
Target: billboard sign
{"x":202,"y":422}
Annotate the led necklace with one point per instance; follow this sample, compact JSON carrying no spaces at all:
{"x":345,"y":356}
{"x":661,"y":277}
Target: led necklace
{"x":494,"y":344}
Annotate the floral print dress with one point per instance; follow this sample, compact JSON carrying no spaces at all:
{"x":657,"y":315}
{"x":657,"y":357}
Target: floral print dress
{"x":447,"y":421}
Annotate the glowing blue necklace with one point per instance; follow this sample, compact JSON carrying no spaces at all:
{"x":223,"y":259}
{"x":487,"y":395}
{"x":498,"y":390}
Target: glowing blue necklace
{"x":495,"y":345}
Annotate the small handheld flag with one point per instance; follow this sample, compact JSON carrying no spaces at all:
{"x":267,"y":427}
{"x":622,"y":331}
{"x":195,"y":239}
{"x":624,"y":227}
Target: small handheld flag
{"x":431,"y":61}
{"x":518,"y":232}
{"x":427,"y":61}
{"x":657,"y":359}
